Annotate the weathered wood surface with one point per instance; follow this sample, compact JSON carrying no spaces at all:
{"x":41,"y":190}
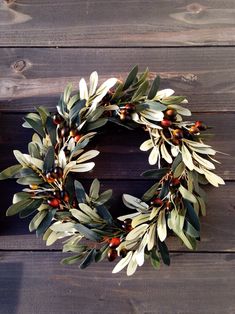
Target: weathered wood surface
{"x":30,"y":77}
{"x":192,"y":46}
{"x":217,"y":230}
{"x":116,"y":23}
{"x":195,"y":283}
{"x":120,"y":156}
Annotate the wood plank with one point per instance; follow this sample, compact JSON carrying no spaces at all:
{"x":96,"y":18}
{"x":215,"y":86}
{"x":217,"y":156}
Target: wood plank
{"x":194,"y":283}
{"x":116,"y":146}
{"x":217,"y":233}
{"x":109,"y":23}
{"x":30,"y":77}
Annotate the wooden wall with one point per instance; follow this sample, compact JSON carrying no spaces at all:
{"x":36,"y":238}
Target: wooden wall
{"x":45,"y":44}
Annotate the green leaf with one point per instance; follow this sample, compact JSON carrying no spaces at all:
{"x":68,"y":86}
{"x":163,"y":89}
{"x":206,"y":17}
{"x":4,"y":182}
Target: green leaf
{"x":25,"y":172}
{"x":141,"y":91}
{"x":44,"y":113}
{"x":154,"y":88}
{"x":94,"y":189}
{"x":36,"y":125}
{"x":161,"y":226}
{"x":10,"y":172}
{"x":71,"y":259}
{"x":45,"y":224}
{"x":51,"y":130}
{"x":49,"y":159}
{"x":155,"y":105}
{"x":173,"y":100}
{"x":155,"y":173}
{"x":164,"y":190}
{"x":88,"y":259}
{"x":123,"y":262}
{"x":176,"y":162}
{"x":150,"y":192}
{"x":104,"y":213}
{"x":72,"y":101}
{"x":20,"y":196}
{"x":164,"y":252}
{"x":104,"y":197}
{"x":67,"y":92}
{"x":154,"y":258}
{"x":18,"y":207}
{"x":34,"y":150}
{"x":87,"y":233}
{"x":74,"y":111}
{"x":96,"y":124}
{"x":31,"y":208}
{"x":134,"y":202}
{"x":130,"y":78}
{"x":187,"y":158}
{"x":102,"y":253}
{"x":29,"y":180}
{"x":191,"y":215}
{"x":187,"y":194}
{"x":80,"y":192}
{"x":190,"y":230}
{"x":37,"y":219}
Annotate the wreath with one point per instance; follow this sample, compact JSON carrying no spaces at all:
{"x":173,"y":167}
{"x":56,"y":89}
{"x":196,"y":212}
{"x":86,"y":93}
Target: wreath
{"x":61,"y":207}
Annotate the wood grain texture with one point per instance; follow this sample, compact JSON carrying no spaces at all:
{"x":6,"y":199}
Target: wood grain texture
{"x":116,"y":23}
{"x":30,"y":77}
{"x":195,"y":283}
{"x":120,"y":155}
{"x":217,"y":231}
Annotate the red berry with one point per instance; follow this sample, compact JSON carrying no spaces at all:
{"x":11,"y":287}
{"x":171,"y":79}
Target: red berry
{"x":130,"y":107}
{"x":114,"y":242}
{"x":175,"y":141}
{"x":65,"y":196}
{"x":169,"y":206}
{"x":127,"y":225}
{"x":58,"y":172}
{"x":166,"y":123}
{"x":200,"y":125}
{"x":175,"y":182}
{"x":54,"y":202}
{"x":57,"y":119}
{"x":178,"y":133}
{"x":50,"y":177}
{"x":112,"y":254}
{"x":65,"y":131}
{"x":77,"y":137}
{"x":157,"y":201}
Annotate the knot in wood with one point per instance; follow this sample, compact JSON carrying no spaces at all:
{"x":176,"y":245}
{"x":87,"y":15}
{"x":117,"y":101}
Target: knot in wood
{"x":195,"y":8}
{"x":19,"y":65}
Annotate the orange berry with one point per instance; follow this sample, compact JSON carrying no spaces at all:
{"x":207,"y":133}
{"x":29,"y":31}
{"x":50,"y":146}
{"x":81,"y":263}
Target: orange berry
{"x":194,"y":130}
{"x":114,"y":242}
{"x":178,"y":133}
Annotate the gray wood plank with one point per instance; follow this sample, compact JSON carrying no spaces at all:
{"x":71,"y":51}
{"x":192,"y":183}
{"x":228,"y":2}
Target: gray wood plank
{"x":33,"y":282}
{"x":116,"y":23}
{"x":30,"y":77}
{"x":120,"y":155}
{"x":217,"y":230}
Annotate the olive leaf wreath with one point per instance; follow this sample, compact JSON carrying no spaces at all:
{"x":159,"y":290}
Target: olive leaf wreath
{"x":63,"y":208}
